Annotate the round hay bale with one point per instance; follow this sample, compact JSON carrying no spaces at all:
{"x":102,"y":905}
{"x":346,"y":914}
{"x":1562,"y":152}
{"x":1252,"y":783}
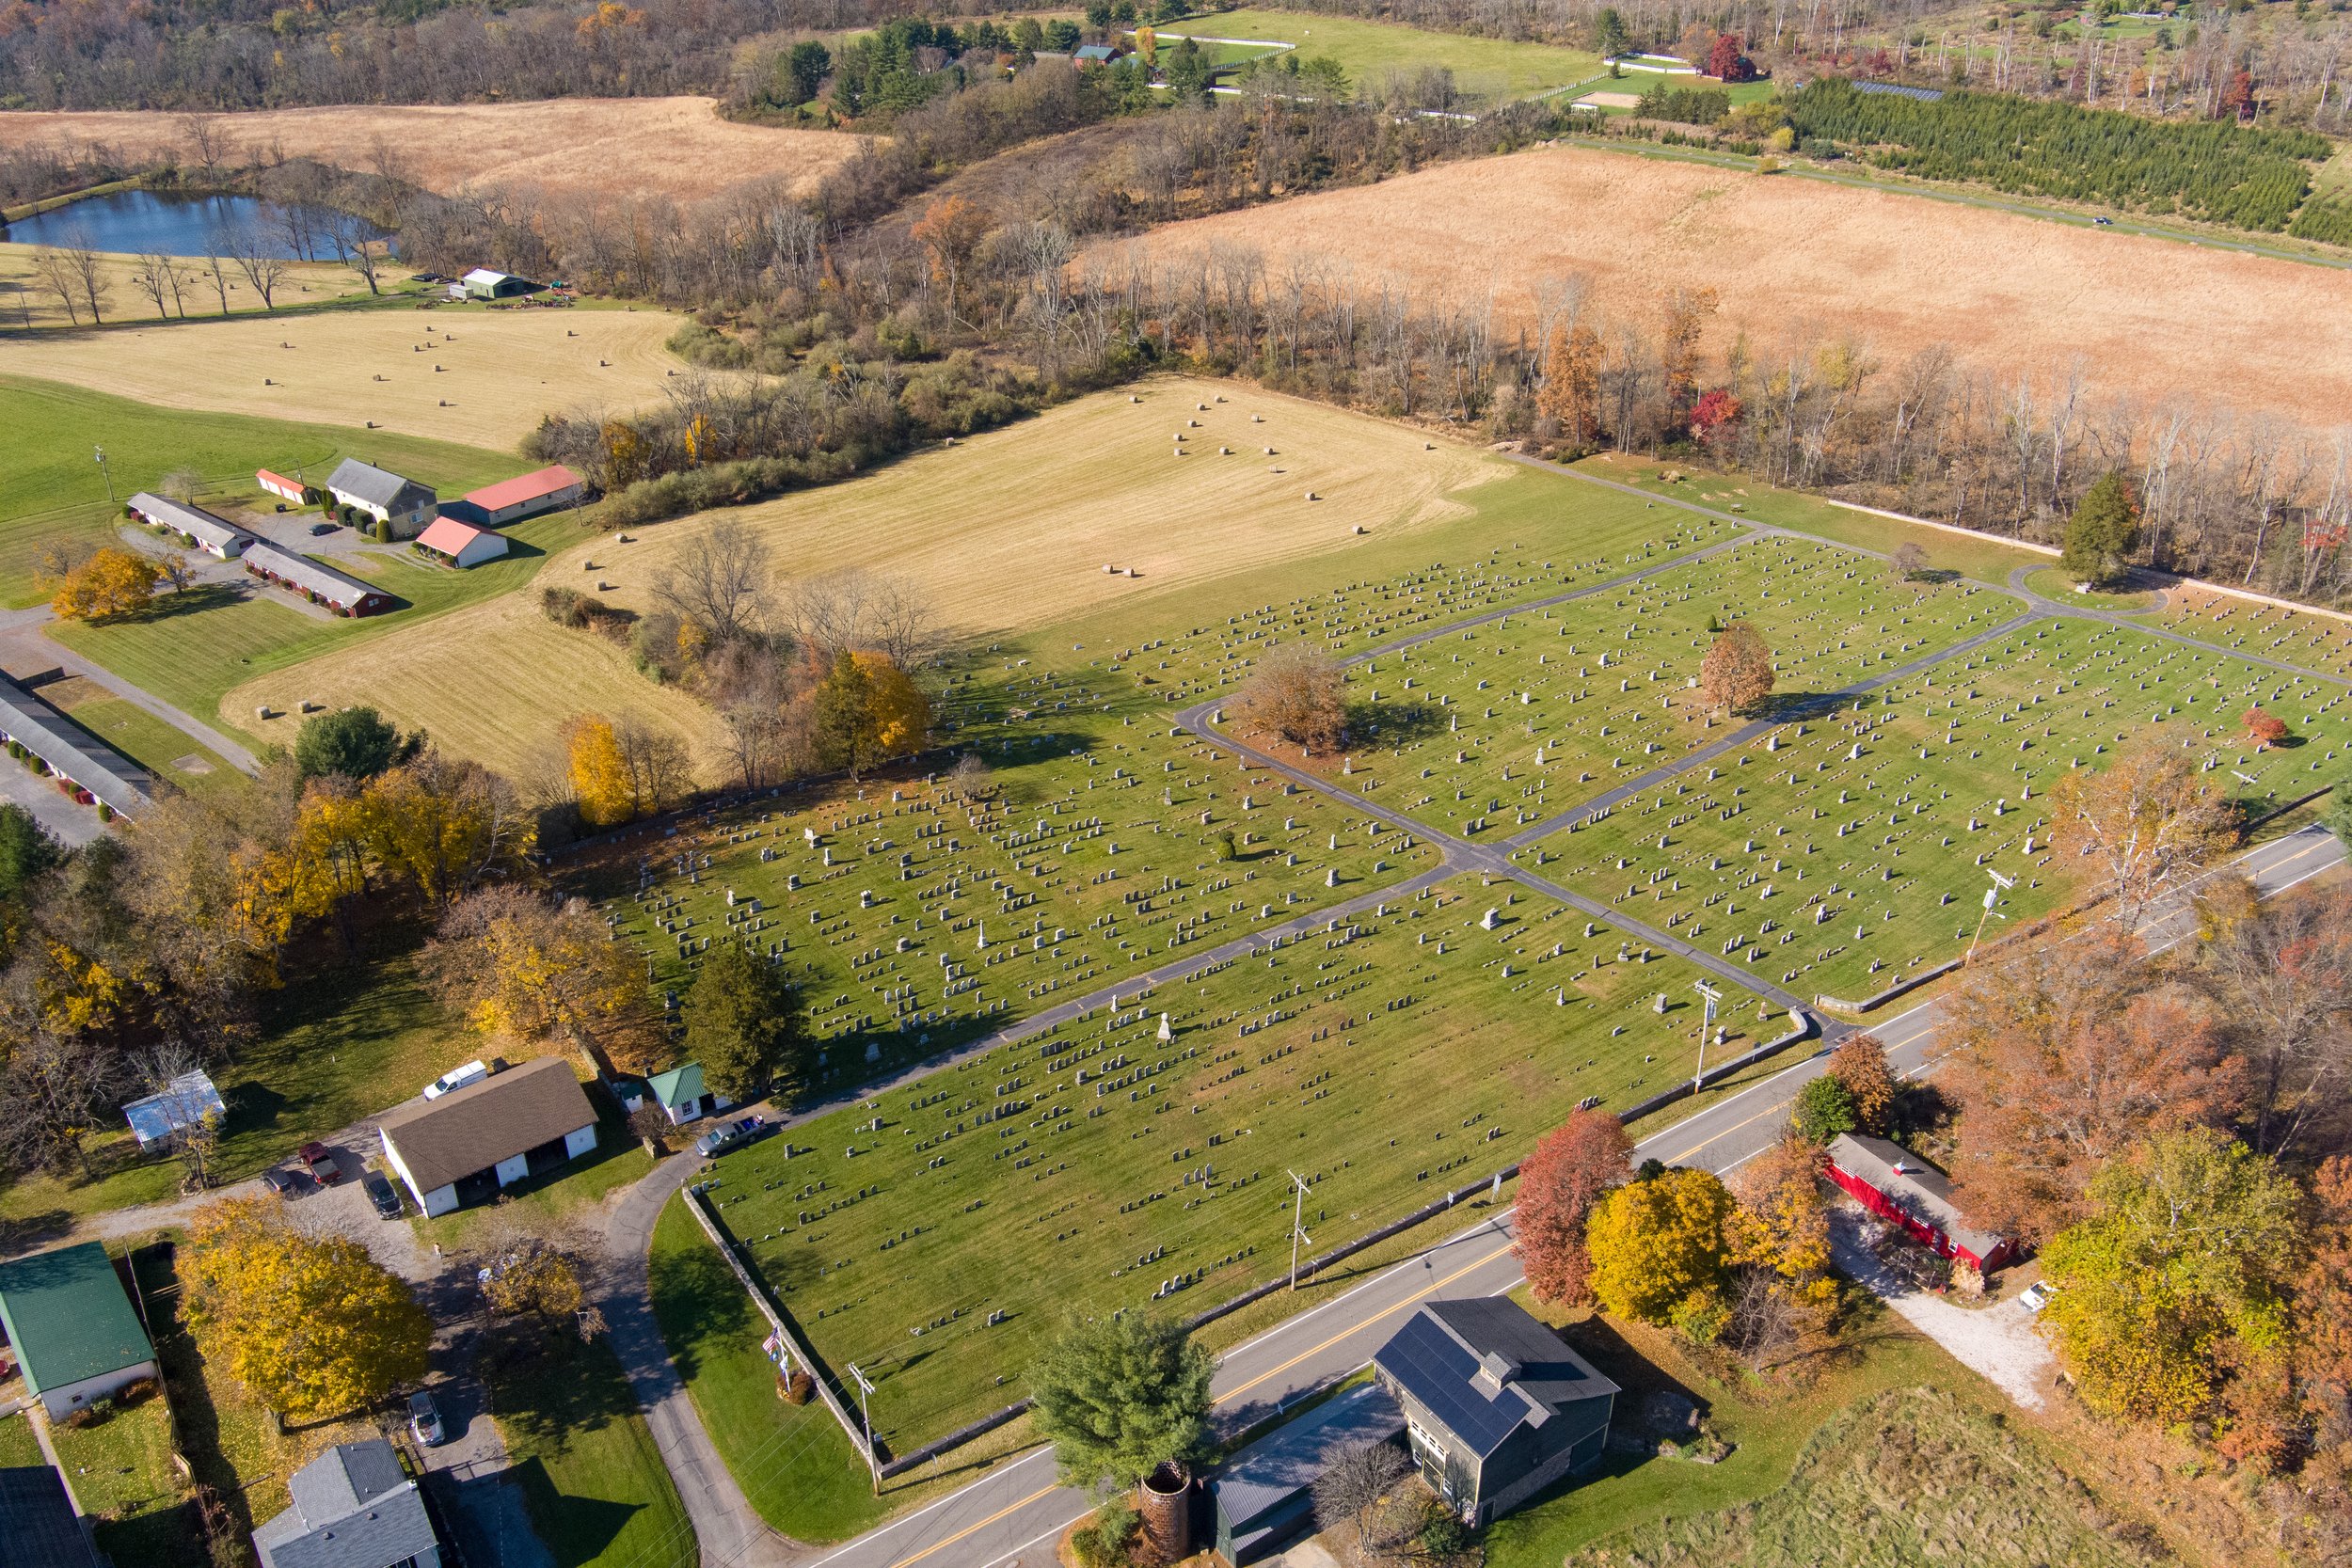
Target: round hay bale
{"x":1313,"y":497}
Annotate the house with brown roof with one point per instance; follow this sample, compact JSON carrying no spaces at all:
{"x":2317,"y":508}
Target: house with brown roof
{"x":466,"y":1144}
{"x":1904,"y":1190}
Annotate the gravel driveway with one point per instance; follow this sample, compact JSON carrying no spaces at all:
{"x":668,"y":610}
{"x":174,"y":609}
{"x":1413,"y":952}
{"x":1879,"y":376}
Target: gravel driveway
{"x":1998,"y":1341}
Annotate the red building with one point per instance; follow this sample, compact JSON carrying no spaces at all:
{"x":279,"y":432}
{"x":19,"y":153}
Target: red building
{"x":1904,"y":1190}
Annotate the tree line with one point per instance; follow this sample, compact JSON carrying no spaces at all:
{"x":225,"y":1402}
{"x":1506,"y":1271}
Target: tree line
{"x":2245,"y":177}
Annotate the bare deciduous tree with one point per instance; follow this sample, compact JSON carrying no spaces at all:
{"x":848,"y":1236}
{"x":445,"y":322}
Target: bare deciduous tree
{"x":719,"y":582}
{"x":263,"y":269}
{"x":1295,"y":693}
{"x":1353,"y":1490}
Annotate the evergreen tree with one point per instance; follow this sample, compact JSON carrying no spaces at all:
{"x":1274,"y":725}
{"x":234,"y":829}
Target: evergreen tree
{"x":745,"y":1026}
{"x":26,"y":849}
{"x":2102,"y":530}
{"x":1118,"y":1398}
{"x":351,"y":743}
{"x":848,"y":732}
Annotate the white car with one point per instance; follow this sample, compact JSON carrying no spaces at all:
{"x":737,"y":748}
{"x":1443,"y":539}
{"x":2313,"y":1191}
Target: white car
{"x":457,"y":1078}
{"x":2037,"y":1295}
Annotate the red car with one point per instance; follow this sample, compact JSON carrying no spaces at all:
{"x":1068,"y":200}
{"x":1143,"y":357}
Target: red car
{"x":320,"y":1160}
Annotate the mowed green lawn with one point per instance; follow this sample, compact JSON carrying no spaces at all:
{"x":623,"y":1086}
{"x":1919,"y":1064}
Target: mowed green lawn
{"x":1840,"y":855}
{"x":51,"y":489}
{"x":193,"y":647}
{"x":593,"y":1480}
{"x":1118,"y":1168}
{"x":1488,"y":69}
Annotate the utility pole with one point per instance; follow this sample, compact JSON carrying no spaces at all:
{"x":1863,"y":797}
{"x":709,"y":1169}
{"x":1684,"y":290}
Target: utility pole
{"x":1298,"y":1223}
{"x":873,"y":1466}
{"x":1992,"y":895}
{"x":1707,"y":1021}
{"x":100,"y":458}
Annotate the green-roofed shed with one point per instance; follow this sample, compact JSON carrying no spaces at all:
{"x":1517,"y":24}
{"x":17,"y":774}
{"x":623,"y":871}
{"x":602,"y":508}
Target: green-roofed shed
{"x":73,"y":1328}
{"x":683,"y":1096}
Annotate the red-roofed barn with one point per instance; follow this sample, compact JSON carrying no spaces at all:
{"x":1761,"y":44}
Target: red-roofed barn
{"x":512,"y":500}
{"x":460,"y":544}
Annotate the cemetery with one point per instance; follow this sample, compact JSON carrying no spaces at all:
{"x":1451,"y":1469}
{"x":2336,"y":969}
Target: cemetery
{"x":1144,"y":1151}
{"x":1507,"y":723}
{"x":1836,"y":856}
{"x":2301,"y":637}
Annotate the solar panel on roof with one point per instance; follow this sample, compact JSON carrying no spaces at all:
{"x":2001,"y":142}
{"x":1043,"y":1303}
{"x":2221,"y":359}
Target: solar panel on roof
{"x":1430,"y":1365}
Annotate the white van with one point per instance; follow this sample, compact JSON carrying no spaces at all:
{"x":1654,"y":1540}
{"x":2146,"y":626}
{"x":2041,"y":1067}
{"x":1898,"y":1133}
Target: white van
{"x":457,"y":1078}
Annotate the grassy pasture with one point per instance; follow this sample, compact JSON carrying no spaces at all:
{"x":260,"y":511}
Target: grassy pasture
{"x":1892,"y":838}
{"x":1519,"y":716}
{"x":192,"y":648}
{"x":501,"y":370}
{"x":168,"y":752}
{"x":886,"y":1226}
{"x":1488,"y":69}
{"x":51,"y":489}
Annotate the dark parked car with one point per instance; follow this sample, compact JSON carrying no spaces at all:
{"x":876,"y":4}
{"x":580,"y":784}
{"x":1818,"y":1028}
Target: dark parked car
{"x":320,"y":1160}
{"x":380,"y":1194}
{"x":285,"y":1183}
{"x":733,"y":1135}
{"x":317,"y":529}
{"x":424,"y":1419}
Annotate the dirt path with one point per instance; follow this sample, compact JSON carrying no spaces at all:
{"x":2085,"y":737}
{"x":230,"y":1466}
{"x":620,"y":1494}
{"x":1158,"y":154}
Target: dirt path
{"x":1997,"y":1341}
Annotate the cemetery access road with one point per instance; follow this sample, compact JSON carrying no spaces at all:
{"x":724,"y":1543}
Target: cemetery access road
{"x":1012,"y":1517}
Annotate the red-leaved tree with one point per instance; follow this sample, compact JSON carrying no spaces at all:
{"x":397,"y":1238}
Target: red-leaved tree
{"x":1716,"y":416}
{"x":1572,"y":1168}
{"x":1725,"y":62}
{"x":2264,"y":729}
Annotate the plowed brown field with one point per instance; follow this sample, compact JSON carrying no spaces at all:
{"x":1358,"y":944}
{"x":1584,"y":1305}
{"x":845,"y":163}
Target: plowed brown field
{"x":628,"y":147}
{"x":2153,"y":320}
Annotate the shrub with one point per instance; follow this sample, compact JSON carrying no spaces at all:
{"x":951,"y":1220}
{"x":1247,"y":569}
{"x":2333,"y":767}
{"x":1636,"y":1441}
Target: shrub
{"x":1109,"y":1539}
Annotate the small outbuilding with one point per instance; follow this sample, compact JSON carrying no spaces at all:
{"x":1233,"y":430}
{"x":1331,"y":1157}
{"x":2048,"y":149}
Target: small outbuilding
{"x":353,"y":1507}
{"x":76,"y":1333}
{"x":283,"y":488}
{"x":187,"y":1100}
{"x":1094,"y":55}
{"x":460,"y":544}
{"x":510,"y":500}
{"x":1264,"y":1496}
{"x":481,"y":283}
{"x":1496,"y":1407}
{"x":1904,"y":1190}
{"x":683,"y":1097}
{"x":387,"y":497}
{"x":195,"y":527}
{"x":471,"y":1142}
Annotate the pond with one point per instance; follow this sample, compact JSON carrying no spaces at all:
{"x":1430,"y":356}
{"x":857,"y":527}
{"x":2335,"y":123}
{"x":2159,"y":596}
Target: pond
{"x":140,"y":222}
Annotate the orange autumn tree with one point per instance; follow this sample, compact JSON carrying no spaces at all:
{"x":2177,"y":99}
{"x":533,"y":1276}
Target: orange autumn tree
{"x":2265,"y":729}
{"x":113,"y":581}
{"x":1737,"y":671}
{"x":950,"y":232}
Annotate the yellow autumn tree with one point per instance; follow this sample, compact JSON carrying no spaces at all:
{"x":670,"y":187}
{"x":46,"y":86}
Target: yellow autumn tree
{"x":113,"y":581}
{"x":1781,"y":1222}
{"x":440,"y":824}
{"x":310,"y":1325}
{"x":1658,"y":1250}
{"x":903,"y":715}
{"x":519,"y":965}
{"x":599,"y":773}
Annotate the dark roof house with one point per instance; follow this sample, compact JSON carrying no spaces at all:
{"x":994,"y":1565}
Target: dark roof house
{"x":1265,"y":1495}
{"x":489,"y":1133}
{"x":1900,"y":1187}
{"x":37,"y":1523}
{"x":1497,"y":1407}
{"x":214,"y":535}
{"x":76,"y":1333}
{"x":354,"y":1507}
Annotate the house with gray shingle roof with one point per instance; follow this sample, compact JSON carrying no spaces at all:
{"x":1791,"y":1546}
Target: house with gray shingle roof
{"x":385,"y":495}
{"x":354,"y":1507}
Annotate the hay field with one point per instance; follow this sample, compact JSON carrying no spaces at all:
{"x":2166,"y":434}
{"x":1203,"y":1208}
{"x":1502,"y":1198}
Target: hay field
{"x":1012,"y":529}
{"x":22,"y":295}
{"x":495,"y":681}
{"x":2152,"y":318}
{"x":1004,"y":532}
{"x":569,"y":146}
{"x":502,"y":369}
